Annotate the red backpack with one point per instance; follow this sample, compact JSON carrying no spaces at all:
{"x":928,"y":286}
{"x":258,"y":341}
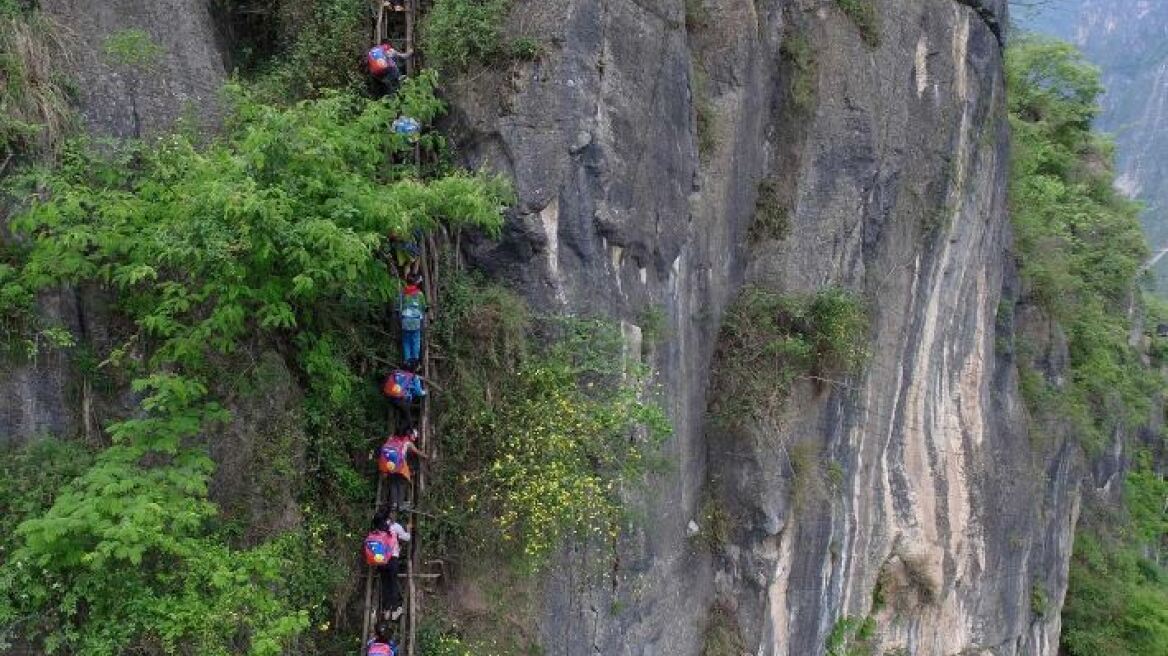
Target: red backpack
{"x":380,"y":649}
{"x":379,"y":547}
{"x":380,"y":61}
{"x":397,"y":385}
{"x":391,"y":458}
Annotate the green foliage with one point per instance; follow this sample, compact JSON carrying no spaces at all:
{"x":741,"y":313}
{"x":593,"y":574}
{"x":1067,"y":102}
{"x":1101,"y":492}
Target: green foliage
{"x":810,"y":480}
{"x":1080,"y":241}
{"x":132,"y":49}
{"x":540,"y":427}
{"x":460,"y":34}
{"x":771,"y":220}
{"x":314,"y":46}
{"x":722,"y":637}
{"x":880,"y":590}
{"x":271,"y":234}
{"x":653,"y":324}
{"x":768,"y":341}
{"x":1039,"y":602}
{"x":697,"y":16}
{"x":799,"y":55}
{"x":435,"y":643}
{"x":30,"y":478}
{"x":526,"y":49}
{"x":715,"y":524}
{"x":851,"y":636}
{"x":863,"y":14}
{"x":34,"y":95}
{"x":1156,"y":309}
{"x":705,"y":115}
{"x":125,"y":541}
{"x":1081,"y":249}
{"x":563,"y":453}
{"x":1117,"y":597}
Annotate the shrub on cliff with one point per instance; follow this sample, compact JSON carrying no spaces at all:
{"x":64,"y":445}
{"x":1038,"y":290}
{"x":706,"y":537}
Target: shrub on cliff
{"x":270,"y":235}
{"x":34,"y":94}
{"x":461,"y":33}
{"x":768,"y":341}
{"x":1080,"y":250}
{"x":542,"y":425}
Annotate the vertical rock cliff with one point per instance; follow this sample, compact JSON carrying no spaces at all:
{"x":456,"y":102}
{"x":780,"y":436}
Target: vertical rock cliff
{"x":640,"y":143}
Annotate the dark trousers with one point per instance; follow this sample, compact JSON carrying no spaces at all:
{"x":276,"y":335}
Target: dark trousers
{"x":405,"y":414}
{"x":399,"y":489}
{"x":391,"y":596}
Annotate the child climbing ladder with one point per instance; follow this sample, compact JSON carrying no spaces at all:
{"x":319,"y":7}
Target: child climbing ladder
{"x":390,"y":541}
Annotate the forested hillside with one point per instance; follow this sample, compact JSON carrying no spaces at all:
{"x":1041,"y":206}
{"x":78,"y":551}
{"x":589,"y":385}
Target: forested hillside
{"x":1081,"y":250}
{"x":1126,"y":40}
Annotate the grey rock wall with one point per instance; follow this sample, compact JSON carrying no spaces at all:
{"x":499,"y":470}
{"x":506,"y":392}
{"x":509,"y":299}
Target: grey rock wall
{"x":39,"y":393}
{"x":894,"y":183}
{"x":123,"y":101}
{"x":44,"y":396}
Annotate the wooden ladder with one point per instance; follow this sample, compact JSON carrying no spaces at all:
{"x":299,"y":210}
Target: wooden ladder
{"x":399,"y":28}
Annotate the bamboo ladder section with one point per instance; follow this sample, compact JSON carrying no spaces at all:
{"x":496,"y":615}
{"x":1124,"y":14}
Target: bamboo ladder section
{"x":408,"y":623}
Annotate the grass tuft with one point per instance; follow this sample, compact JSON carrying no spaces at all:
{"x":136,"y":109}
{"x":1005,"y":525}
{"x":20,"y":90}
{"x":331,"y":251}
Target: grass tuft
{"x":863,"y":14}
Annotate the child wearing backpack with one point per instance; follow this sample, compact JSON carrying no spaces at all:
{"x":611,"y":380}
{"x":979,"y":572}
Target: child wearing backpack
{"x":412,"y":307}
{"x":393,"y":461}
{"x":387,"y":65}
{"x":381,"y":644}
{"x":404,"y":388}
{"x":383,"y":551}
{"x":405,"y":253}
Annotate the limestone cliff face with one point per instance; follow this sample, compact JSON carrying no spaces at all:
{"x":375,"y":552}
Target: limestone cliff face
{"x":890,"y":163}
{"x":126,"y":100}
{"x":639,"y":145}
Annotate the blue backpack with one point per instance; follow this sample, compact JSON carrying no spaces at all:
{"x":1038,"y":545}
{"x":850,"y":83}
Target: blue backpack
{"x":399,"y":385}
{"x":380,"y":61}
{"x":406,"y":125}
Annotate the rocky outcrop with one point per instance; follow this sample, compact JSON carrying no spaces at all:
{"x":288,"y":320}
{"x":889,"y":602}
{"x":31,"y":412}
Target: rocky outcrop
{"x":940,"y":520}
{"x":138,"y":95}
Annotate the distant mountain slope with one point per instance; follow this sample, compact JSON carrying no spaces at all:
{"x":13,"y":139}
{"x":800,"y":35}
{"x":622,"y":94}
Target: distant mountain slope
{"x":1128,"y":39}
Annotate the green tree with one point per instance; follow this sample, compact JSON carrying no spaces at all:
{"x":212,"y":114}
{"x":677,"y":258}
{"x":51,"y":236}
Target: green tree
{"x":1079,"y":241}
{"x":269,"y":237}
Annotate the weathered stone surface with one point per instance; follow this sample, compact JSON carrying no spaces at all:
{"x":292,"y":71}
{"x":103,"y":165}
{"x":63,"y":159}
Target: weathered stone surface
{"x":39,"y":397}
{"x":259,"y":455}
{"x":893,"y":178}
{"x":135,"y":101}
